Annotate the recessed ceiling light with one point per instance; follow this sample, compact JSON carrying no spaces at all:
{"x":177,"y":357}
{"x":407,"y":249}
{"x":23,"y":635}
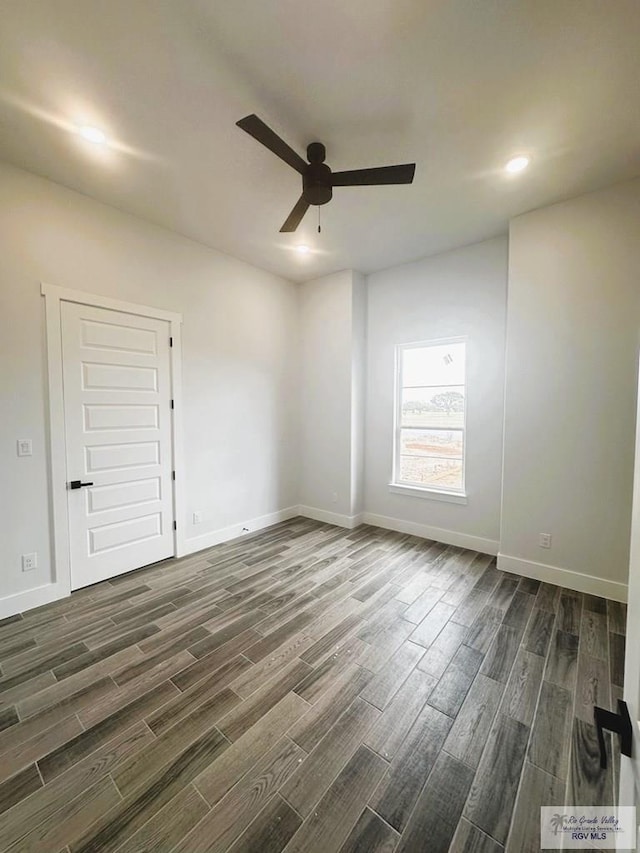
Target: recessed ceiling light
{"x":517,"y":164}
{"x":92,"y":134}
{"x":303,"y":250}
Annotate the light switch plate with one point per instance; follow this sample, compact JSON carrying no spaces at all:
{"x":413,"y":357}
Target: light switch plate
{"x":25,"y":447}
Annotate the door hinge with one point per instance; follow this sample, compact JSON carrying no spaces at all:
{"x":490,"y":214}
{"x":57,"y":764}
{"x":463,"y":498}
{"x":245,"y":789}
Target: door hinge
{"x":175,"y":525}
{"x":173,"y":475}
{"x":170,"y":342}
{"x":172,"y":405}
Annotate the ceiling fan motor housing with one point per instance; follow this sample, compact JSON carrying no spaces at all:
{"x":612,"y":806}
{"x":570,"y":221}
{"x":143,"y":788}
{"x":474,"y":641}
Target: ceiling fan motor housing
{"x":316,"y":183}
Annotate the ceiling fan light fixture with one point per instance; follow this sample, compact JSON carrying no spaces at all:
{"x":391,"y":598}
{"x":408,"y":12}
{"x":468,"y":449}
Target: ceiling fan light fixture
{"x":92,"y":134}
{"x":517,"y":164}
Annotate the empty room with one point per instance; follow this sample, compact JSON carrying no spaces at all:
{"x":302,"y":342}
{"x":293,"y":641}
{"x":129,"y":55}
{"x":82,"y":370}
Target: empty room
{"x":319,"y":335}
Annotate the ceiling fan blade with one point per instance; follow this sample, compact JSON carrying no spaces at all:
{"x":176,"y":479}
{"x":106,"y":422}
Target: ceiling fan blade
{"x":295,"y":217}
{"x":255,"y":127}
{"x":378,"y":175}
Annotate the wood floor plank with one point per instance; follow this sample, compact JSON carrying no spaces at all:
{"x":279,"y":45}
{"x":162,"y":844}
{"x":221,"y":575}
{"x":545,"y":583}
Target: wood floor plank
{"x":72,"y":820}
{"x":214,"y":782}
{"x":518,"y":612}
{"x":450,"y":691}
{"x":328,"y":827}
{"x":432,"y":624}
{"x":271,"y":830}
{"x":396,"y":795}
{"x":617,"y":614}
{"x":468,"y":735}
{"x":501,"y":655}
{"x":537,"y":789}
{"x":241,"y":718}
{"x":438,"y":809}
{"x":538,"y":634}
{"x":53,"y":738}
{"x":484,"y":628}
{"x":395,"y":722}
{"x":314,"y":685}
{"x":381,"y":689}
{"x":470,"y":839}
{"x":308,"y":784}
{"x":616,"y":658}
{"x":212,"y":661}
{"x":126,"y":818}
{"x":8,"y":719}
{"x":168,"y":826}
{"x":19,"y":786}
{"x":467,"y":612}
{"x":593,"y":634}
{"x":243,"y":804}
{"x":43,"y":805}
{"x":493,"y":793}
{"x":523,"y":687}
{"x":209,"y":694}
{"x":570,"y":612}
{"x":370,"y":835}
{"x":593,"y":686}
{"x":319,"y":718}
{"x":551,"y":734}
{"x":548,"y":597}
{"x":78,"y":747}
{"x":562,"y":663}
{"x":439,"y":654}
{"x":589,"y":785}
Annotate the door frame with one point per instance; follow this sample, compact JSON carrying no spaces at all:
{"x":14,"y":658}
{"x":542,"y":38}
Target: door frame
{"x":628,"y":782}
{"x":54,"y":296}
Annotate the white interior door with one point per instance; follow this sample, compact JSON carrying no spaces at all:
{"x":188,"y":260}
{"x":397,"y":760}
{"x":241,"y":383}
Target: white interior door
{"x":117,"y":403}
{"x":630,"y":767}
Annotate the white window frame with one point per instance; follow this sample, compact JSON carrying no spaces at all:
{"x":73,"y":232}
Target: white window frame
{"x":396,"y":485}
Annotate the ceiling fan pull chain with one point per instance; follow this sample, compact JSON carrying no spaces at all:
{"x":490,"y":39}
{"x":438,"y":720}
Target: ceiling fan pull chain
{"x":319,"y":228}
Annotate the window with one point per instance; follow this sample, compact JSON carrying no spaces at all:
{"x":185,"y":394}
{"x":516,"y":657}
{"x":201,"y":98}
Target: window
{"x":430,"y":416}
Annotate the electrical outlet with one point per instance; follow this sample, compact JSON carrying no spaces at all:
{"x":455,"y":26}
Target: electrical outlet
{"x":29,"y":562}
{"x":197,"y":517}
{"x":545,"y":540}
{"x":25,"y":447}
{"x":334,"y":497}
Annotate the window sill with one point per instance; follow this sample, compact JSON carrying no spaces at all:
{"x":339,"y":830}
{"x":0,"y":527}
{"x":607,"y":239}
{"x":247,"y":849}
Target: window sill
{"x":429,"y":494}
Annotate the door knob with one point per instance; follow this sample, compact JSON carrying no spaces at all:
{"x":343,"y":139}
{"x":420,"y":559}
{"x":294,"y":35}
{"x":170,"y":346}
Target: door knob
{"x":76,"y":484}
{"x":619,"y":723}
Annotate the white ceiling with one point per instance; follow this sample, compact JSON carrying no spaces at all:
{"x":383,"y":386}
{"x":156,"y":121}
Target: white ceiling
{"x":458,"y":86}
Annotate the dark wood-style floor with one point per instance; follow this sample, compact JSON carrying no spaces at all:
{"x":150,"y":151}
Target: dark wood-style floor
{"x":306,"y":689}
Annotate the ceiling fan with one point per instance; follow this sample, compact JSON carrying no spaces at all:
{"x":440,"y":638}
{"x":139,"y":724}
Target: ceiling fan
{"x":318,"y":180}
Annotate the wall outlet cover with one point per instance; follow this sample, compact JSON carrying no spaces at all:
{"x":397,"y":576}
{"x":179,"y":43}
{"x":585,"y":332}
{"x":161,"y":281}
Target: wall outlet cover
{"x":545,"y":540}
{"x":25,"y":447}
{"x":29,"y":562}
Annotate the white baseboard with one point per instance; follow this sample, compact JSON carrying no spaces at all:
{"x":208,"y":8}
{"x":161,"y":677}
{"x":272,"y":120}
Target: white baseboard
{"x":20,"y":602}
{"x":438,"y":534}
{"x":563,"y":577}
{"x":340,"y":520}
{"x":224,"y":534}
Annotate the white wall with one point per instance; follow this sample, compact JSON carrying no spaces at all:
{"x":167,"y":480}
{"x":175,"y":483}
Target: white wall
{"x":332,"y":310}
{"x":574,"y":319}
{"x":462,"y":292}
{"x":240,"y":364}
